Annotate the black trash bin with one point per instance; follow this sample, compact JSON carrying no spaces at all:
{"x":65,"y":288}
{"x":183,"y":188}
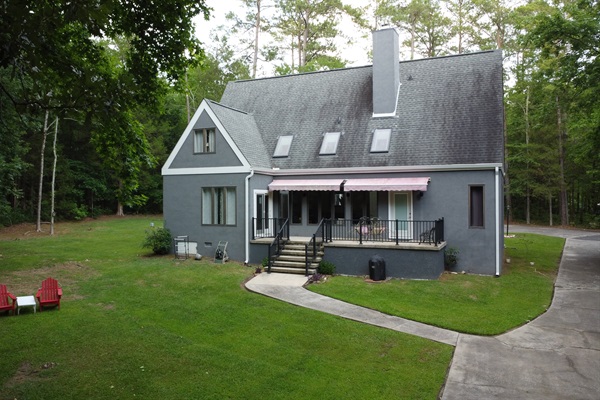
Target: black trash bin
{"x":377,"y":268}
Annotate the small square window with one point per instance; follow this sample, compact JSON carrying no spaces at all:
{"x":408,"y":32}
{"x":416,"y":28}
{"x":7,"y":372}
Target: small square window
{"x":330,"y":143}
{"x":204,"y":141}
{"x":381,"y":141}
{"x":283,"y":146}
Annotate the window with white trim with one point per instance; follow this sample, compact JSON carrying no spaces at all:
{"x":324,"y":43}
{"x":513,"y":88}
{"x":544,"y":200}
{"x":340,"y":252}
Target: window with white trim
{"x":381,"y":141}
{"x":218,"y":206}
{"x":204,"y":140}
{"x":283,"y":146}
{"x":330,"y":143}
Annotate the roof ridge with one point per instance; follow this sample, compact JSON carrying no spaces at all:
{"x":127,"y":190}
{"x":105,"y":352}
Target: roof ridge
{"x":451,"y":56}
{"x":224,"y":106}
{"x":303,"y":73}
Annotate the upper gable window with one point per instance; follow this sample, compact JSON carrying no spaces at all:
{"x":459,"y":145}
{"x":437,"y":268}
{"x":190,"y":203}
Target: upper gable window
{"x":204,"y":140}
{"x":381,"y":141}
{"x":330,"y":143}
{"x":283,"y":146}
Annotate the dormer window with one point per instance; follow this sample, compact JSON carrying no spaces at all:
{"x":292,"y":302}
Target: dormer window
{"x":330,"y":143}
{"x":204,"y":140}
{"x":381,"y":141}
{"x":283,"y":146}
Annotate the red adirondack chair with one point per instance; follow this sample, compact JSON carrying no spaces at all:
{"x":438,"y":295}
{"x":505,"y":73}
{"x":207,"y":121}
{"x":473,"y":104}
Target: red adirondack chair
{"x":49,"y":294}
{"x":5,"y":300}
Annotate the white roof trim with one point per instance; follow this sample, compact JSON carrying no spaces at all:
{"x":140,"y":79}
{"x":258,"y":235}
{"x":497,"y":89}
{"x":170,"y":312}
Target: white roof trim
{"x":370,"y":170}
{"x":205,"y":171}
{"x":204,"y":106}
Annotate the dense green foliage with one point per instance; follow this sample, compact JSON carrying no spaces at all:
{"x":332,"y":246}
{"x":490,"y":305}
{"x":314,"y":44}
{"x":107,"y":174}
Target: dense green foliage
{"x":132,"y":326}
{"x":326,"y":268}
{"x":159,"y":240}
{"x":481,"y":305}
{"x":91,"y":67}
{"x":123,"y":96}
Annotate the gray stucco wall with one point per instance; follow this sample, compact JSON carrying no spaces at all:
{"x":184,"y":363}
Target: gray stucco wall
{"x":447,"y":197}
{"x":399,"y":263}
{"x":182,"y":200}
{"x":223,"y":157}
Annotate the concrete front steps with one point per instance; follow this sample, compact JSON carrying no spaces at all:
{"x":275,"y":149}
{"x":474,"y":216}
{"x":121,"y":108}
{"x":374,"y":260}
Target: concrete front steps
{"x":293,"y":257}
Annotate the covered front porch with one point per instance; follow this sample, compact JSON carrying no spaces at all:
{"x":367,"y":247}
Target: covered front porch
{"x":411,"y":249}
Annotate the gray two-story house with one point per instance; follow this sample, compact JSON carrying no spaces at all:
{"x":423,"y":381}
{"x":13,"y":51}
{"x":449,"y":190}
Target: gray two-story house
{"x":401,"y":159}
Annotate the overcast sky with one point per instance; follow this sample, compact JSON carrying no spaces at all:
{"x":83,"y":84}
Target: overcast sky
{"x":356,"y":54}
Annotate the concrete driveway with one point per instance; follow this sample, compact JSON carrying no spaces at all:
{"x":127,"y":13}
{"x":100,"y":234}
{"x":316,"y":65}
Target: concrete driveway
{"x":556,"y":356}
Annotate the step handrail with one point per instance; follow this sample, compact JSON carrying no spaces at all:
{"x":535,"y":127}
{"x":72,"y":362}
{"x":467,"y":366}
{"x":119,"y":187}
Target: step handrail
{"x":312,"y":244}
{"x":277,"y":243}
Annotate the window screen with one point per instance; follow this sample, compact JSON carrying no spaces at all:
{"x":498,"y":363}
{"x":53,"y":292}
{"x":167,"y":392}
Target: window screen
{"x":330,"y":143}
{"x":381,"y":141}
{"x":476,"y":206}
{"x":204,"y":141}
{"x":283,"y":146}
{"x":218,"y":206}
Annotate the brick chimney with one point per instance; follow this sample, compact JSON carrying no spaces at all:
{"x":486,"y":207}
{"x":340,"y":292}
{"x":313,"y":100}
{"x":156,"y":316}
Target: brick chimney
{"x":386,"y":79}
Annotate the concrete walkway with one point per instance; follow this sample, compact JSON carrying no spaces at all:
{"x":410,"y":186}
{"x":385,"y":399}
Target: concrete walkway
{"x":556,"y":356}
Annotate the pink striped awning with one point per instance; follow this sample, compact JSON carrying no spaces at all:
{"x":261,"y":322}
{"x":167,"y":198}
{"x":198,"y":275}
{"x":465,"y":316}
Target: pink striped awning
{"x":387,"y":184}
{"x":306,"y":184}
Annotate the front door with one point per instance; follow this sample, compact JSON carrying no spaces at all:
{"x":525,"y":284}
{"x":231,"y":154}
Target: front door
{"x":401,"y":210}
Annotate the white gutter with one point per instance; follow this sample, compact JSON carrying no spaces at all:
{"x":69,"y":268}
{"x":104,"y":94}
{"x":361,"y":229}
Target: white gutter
{"x":386,"y":169}
{"x":498,"y":219}
{"x":247,"y":215}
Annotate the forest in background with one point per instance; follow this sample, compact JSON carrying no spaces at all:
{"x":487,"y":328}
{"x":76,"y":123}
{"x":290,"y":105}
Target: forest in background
{"x":93,"y":97}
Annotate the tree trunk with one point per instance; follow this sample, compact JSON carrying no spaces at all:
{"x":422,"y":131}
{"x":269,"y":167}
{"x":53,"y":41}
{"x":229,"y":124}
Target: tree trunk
{"x":120,"y":212}
{"x":563,"y":205}
{"x":527,"y":194}
{"x":412,"y":41}
{"x":506,"y":167}
{"x":550,"y":207}
{"x":39,"y":205}
{"x":256,"y":34}
{"x":187,"y":98}
{"x":53,"y":177}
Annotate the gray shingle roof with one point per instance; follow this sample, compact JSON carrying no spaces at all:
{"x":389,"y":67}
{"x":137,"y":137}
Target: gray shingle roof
{"x":450,"y":111}
{"x":244,"y":132}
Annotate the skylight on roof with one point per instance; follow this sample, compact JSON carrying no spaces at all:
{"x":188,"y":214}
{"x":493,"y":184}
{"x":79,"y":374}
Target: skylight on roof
{"x":381,"y":141}
{"x":330,"y":143}
{"x":283,"y":146}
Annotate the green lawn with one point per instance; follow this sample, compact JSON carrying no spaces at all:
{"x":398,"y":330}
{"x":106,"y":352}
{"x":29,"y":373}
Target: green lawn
{"x":135,"y":326}
{"x":474,"y":304}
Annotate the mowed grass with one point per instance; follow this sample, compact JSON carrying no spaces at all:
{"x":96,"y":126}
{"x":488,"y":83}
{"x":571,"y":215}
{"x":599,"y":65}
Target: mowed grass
{"x":481,"y":305}
{"x":136,"y":326}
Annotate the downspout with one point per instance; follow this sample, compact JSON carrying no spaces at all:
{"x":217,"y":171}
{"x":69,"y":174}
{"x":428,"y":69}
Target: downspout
{"x":498,"y":216}
{"x":247,"y":216}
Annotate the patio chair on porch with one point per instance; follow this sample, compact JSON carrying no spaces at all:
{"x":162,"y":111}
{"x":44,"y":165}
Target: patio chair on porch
{"x":427,"y":236}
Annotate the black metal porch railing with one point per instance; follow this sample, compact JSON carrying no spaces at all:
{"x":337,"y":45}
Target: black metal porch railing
{"x":381,"y":230}
{"x":311,"y":248}
{"x":266,"y":227}
{"x":360,"y":230}
{"x":282,"y":236}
